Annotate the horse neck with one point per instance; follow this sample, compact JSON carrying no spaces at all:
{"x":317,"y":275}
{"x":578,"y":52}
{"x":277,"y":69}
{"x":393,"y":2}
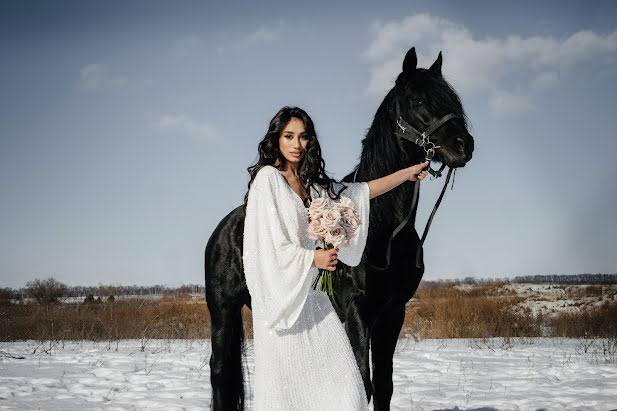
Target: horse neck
{"x":382,"y":155}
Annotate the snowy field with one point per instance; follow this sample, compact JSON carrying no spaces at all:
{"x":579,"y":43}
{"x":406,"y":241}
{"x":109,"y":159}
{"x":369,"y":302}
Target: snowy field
{"x":493,"y":374}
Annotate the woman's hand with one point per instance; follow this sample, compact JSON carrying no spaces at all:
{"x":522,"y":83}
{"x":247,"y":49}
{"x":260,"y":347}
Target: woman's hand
{"x":384,"y":184}
{"x":416,"y":173}
{"x":326,"y":259}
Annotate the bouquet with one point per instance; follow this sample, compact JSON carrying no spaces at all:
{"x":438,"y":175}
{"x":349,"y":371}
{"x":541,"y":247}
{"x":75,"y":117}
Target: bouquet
{"x":333,"y":223}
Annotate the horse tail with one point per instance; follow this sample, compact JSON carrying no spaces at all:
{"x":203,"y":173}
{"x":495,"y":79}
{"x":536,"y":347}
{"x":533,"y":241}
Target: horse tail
{"x":223,"y":271}
{"x":237,"y":356}
{"x":226,"y":361}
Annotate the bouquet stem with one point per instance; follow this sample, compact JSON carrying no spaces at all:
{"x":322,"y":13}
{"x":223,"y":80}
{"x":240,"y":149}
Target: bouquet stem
{"x":324,"y":275}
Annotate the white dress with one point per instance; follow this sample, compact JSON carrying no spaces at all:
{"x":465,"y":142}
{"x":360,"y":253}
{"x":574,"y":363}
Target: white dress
{"x":303,"y":359}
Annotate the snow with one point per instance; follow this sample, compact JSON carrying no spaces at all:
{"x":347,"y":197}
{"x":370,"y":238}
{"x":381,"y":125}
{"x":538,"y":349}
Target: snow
{"x":548,"y":299}
{"x":546,"y":373}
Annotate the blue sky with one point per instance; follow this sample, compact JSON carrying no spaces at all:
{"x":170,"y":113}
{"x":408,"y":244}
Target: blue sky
{"x":126,"y":127}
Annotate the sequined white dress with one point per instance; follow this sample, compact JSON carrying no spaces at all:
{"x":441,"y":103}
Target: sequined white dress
{"x":303,"y":359}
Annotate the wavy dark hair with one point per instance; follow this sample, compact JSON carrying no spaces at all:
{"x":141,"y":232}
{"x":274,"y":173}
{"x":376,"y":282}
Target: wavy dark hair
{"x":311,"y":168}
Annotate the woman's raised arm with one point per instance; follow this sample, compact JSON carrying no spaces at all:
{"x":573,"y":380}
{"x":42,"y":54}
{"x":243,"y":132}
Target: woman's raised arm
{"x":384,"y":184}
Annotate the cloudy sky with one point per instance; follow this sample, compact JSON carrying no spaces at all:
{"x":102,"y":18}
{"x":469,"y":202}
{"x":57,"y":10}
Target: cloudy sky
{"x":126,"y":127}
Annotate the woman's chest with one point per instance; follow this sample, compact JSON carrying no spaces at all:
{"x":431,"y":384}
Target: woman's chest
{"x":294,"y":216}
{"x":299,"y":190}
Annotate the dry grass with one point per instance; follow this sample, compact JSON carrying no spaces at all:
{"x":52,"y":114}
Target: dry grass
{"x":452,"y":310}
{"x":595,"y":321}
{"x":165,"y":318}
{"x":586,"y":291}
{"x":131,"y":318}
{"x":444,"y":310}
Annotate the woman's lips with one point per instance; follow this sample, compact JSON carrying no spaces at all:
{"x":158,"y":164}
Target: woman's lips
{"x":295,"y":154}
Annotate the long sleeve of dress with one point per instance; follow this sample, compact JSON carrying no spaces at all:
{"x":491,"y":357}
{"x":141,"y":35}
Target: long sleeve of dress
{"x":359,"y":193}
{"x":303,"y":358}
{"x":277,"y":259}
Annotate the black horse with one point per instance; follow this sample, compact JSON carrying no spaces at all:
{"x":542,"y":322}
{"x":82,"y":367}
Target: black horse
{"x":370,"y":300}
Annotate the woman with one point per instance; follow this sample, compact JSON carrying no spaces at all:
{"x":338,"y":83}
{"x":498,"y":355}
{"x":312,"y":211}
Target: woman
{"x":303,"y":359}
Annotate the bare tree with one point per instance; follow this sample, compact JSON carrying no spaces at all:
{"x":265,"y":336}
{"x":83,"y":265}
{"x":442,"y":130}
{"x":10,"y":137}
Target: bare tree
{"x":46,"y":291}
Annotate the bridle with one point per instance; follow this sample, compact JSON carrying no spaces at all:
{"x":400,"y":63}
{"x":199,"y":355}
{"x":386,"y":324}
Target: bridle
{"x":408,"y":132}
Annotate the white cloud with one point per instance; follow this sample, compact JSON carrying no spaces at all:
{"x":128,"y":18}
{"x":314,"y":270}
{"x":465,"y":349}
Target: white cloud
{"x":382,"y":78}
{"x":545,"y":79}
{"x":262,"y":34}
{"x":199,"y":131}
{"x":473,"y":65}
{"x":388,"y":36}
{"x":96,"y":77}
{"x":191,"y":45}
{"x":506,"y":104}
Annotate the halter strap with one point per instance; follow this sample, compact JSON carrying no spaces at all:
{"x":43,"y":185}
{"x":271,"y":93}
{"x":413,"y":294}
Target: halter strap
{"x":408,"y":132}
{"x":414,"y":204}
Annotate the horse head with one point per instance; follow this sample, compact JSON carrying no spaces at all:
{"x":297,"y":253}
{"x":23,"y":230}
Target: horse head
{"x":426,"y":102}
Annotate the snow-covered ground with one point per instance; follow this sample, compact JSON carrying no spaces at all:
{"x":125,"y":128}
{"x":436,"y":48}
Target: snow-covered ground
{"x":552,"y":374}
{"x":550,"y":299}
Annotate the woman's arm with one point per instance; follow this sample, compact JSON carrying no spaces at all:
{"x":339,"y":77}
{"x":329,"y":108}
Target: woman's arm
{"x":384,"y":184}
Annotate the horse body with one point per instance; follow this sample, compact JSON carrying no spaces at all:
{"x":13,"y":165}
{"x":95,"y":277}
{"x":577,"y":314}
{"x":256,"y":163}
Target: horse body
{"x":370,"y":301}
{"x":226,"y":294}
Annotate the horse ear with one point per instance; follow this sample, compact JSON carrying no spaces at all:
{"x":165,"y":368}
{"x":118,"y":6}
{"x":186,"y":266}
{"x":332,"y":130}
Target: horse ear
{"x":411,"y":61}
{"x":436,"y":67}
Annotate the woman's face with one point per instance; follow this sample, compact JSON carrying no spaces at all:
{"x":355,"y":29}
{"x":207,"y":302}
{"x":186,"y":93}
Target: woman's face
{"x":293,"y":141}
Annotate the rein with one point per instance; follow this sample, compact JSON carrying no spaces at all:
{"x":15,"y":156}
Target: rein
{"x":408,"y":132}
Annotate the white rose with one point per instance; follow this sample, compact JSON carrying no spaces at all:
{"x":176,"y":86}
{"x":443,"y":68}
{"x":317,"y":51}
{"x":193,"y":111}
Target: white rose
{"x":336,"y":237}
{"x":346,"y":202}
{"x":350,"y":234}
{"x":317,"y":208}
{"x":316,"y":230}
{"x":352,"y":219}
{"x":331,"y":218}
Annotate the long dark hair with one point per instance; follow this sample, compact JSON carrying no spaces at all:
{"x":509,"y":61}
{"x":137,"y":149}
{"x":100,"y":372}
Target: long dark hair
{"x":311,"y":168}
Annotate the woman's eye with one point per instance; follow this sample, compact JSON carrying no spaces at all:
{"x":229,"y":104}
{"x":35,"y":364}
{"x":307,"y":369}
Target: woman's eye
{"x":305,"y":137}
{"x":288,"y":136}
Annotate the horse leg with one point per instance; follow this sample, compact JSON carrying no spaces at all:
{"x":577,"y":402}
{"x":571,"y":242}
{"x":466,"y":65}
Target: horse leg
{"x":226,"y":359}
{"x":383,"y":342}
{"x":358,"y":332}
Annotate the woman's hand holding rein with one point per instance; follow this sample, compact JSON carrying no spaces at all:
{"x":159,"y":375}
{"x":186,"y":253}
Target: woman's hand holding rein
{"x":417,"y":172}
{"x":327,"y":259}
{"x":384,"y":184}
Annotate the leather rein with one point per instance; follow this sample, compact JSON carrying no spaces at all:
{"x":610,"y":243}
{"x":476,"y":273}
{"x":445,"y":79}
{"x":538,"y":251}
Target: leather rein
{"x":406,"y":131}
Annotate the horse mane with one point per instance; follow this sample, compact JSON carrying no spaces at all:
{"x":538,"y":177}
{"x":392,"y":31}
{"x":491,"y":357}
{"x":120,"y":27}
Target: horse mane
{"x":380,"y":152}
{"x":383,"y":154}
{"x":444,"y":98}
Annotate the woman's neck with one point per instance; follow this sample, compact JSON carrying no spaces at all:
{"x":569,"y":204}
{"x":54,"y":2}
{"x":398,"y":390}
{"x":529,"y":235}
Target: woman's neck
{"x":290,"y":169}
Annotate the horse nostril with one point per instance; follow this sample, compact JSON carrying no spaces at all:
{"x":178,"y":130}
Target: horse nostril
{"x":461,"y":144}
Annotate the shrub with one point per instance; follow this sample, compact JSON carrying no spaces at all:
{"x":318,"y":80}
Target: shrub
{"x":46,"y":291}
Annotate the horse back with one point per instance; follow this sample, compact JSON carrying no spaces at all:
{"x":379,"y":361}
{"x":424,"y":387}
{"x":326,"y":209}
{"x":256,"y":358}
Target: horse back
{"x":224,"y":271}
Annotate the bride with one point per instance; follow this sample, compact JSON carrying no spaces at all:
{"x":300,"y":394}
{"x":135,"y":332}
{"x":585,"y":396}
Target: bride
{"x":303,"y":359}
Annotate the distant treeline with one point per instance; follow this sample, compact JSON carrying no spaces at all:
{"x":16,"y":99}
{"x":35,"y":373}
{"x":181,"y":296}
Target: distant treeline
{"x":199,"y":289}
{"x":115,"y":290}
{"x":557,"y":279}
{"x":568,"y":279}
{"x":565,"y":279}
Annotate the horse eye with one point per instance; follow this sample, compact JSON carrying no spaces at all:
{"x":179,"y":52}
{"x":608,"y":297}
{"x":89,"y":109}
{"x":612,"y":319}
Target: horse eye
{"x":417,"y":102}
